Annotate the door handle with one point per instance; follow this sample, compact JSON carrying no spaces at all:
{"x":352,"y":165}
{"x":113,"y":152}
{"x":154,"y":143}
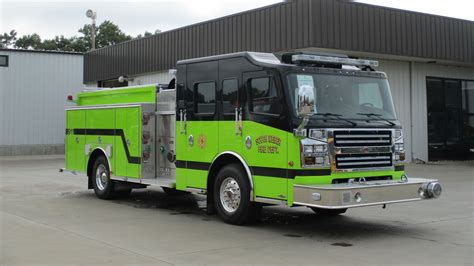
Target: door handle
{"x":238,"y":121}
{"x":182,"y":121}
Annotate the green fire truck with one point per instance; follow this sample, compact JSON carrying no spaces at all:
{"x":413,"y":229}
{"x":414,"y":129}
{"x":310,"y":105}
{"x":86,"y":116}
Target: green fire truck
{"x":247,"y":130}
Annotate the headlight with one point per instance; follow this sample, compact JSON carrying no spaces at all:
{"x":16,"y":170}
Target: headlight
{"x":322,"y":160}
{"x":314,"y":153}
{"x":320,"y":148}
{"x":308,"y":149}
{"x":398,"y":146}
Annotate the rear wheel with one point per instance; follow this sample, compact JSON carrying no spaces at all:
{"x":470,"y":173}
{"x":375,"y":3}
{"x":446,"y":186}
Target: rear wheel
{"x":232,"y":196}
{"x":104,"y":187}
{"x":328,"y":212}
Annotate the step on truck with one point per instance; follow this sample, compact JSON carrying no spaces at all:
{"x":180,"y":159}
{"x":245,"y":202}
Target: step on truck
{"x":247,"y":130}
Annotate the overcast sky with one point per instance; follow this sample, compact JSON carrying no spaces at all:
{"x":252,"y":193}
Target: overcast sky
{"x":62,"y":17}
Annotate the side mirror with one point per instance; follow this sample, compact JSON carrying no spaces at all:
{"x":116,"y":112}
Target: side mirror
{"x":306,"y":101}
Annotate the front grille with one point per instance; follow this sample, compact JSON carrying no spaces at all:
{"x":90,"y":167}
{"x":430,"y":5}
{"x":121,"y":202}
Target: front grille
{"x":362,"y":138}
{"x":363,"y":160}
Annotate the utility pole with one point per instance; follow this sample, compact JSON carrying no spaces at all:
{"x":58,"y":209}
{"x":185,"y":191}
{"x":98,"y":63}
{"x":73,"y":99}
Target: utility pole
{"x":92,"y":15}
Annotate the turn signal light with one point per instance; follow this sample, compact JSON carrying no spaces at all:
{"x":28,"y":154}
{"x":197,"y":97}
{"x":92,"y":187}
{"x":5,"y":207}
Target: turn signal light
{"x":70,"y":98}
{"x":309,"y":160}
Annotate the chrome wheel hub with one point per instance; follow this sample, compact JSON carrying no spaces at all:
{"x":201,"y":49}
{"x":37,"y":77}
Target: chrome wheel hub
{"x":230,"y":194}
{"x":101,"y":177}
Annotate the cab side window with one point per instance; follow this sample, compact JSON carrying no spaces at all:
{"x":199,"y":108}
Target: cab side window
{"x":264,"y":96}
{"x":230,"y":96}
{"x":205,"y":98}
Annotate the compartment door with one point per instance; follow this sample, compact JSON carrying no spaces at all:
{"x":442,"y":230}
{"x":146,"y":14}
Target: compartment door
{"x":75,"y":153}
{"x":132,"y":134}
{"x":127,"y":149}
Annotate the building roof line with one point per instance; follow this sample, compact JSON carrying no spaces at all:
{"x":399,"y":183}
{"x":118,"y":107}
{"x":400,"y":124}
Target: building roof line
{"x":276,"y":4}
{"x":39,"y":51}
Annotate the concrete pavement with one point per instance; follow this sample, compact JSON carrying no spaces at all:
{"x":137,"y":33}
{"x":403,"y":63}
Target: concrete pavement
{"x":51,"y":218}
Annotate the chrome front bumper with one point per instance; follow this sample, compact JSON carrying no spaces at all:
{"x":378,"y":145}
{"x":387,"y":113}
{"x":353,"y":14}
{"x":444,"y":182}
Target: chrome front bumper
{"x":359,"y":194}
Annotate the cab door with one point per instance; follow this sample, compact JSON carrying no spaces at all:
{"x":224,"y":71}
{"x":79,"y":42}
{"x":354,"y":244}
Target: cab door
{"x":180,"y":129}
{"x":230,"y":116}
{"x":231,"y":95}
{"x":201,"y":122}
{"x":264,"y":131}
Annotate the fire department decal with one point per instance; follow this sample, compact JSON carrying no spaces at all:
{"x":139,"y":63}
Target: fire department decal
{"x":268,"y":144}
{"x":202,"y":140}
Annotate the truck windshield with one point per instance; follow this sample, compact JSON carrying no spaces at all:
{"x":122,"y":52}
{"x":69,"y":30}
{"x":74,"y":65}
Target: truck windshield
{"x":350,"y":97}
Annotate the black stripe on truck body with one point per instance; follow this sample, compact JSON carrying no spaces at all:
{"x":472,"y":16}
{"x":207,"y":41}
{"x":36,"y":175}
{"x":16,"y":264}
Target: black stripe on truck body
{"x":109,"y":132}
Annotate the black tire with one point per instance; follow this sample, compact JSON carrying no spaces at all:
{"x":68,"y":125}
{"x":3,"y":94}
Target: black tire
{"x":173,"y":191}
{"x":328,"y":212}
{"x":104,"y":187}
{"x":243,"y":212}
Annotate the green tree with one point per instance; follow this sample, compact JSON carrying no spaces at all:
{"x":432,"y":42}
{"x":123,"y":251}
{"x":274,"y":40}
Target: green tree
{"x":32,"y":41}
{"x":7,"y":39}
{"x":107,"y":33}
{"x":78,"y":44}
{"x":147,"y":33}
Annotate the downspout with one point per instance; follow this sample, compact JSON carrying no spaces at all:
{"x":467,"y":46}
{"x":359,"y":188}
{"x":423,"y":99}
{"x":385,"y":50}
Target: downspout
{"x":410,"y":68}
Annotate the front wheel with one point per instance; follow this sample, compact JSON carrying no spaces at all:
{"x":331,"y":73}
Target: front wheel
{"x":328,"y":212}
{"x":232,"y":196}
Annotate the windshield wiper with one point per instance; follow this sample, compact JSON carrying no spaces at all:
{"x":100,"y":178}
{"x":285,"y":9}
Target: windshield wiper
{"x":378,"y":117}
{"x":336,"y":117}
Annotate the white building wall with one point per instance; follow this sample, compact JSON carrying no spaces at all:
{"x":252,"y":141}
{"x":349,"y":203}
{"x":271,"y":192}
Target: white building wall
{"x":33,"y":95}
{"x":398,"y":74}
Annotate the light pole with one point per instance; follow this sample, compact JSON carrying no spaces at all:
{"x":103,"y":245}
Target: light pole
{"x":92,"y":15}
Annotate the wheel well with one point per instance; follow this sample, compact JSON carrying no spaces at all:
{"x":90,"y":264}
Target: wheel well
{"x":90,"y":165}
{"x":221,"y":161}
